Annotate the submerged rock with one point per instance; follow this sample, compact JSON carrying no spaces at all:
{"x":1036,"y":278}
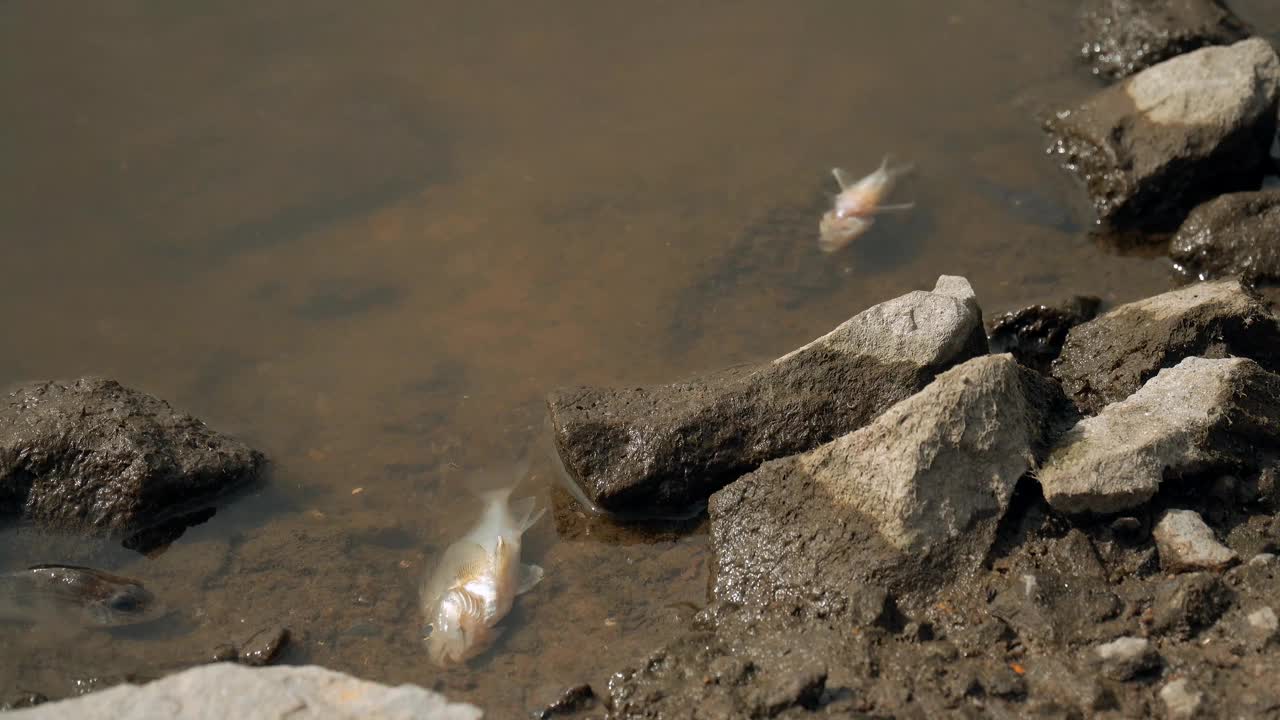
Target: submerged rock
{"x":1236,"y":234}
{"x":1122,"y":37}
{"x":1185,"y":543}
{"x":1150,"y":148}
{"x":227,"y":690}
{"x":93,"y":454}
{"x":923,"y":484}
{"x":659,"y":449}
{"x":1110,"y":357}
{"x":1035,"y":334}
{"x":1199,"y":413}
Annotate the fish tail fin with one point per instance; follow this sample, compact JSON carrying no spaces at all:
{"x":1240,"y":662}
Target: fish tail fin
{"x":526,"y":512}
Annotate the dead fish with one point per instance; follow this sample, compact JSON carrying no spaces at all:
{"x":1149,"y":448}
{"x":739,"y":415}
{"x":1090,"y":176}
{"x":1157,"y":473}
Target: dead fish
{"x":852,"y":213}
{"x":477,"y":579}
{"x":88,"y":597}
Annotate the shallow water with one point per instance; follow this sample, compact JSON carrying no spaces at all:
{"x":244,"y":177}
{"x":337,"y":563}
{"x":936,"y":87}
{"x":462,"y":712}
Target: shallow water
{"x":368,"y":238}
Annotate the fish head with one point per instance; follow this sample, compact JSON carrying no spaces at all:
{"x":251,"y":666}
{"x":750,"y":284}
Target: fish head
{"x":836,"y":231}
{"x":123,"y":604}
{"x":458,"y":631}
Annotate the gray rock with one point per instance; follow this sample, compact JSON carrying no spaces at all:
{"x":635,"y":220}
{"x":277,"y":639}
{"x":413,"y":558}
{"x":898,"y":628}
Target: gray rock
{"x":923,"y":484}
{"x":225,"y":690}
{"x":1188,"y":416}
{"x":1181,"y":700}
{"x":1262,"y":559}
{"x":1233,"y":235}
{"x":659,"y":449}
{"x":1186,"y":543}
{"x":1186,"y":604}
{"x":1126,"y":657}
{"x":1110,"y":357}
{"x":1260,"y":628}
{"x":1035,"y":334}
{"x":1150,"y":148}
{"x":92,"y":454}
{"x":1125,"y":36}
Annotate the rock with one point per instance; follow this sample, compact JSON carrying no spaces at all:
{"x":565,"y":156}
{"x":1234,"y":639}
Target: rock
{"x":263,"y":646}
{"x":92,"y":454}
{"x":1125,"y":36}
{"x":699,"y":671}
{"x":660,"y":449}
{"x":1262,"y":559}
{"x":1181,"y":701}
{"x":1232,"y":235}
{"x":1110,"y":357}
{"x":1193,"y":414}
{"x":925,"y":483}
{"x":1174,"y":135}
{"x":1035,"y":334}
{"x":232,"y":691}
{"x":572,"y":700}
{"x":1262,"y":627}
{"x":1187,"y":603}
{"x":1186,"y":543}
{"x":1124,"y":658}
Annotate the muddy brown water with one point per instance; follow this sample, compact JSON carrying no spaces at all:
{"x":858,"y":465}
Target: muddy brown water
{"x":368,"y":238}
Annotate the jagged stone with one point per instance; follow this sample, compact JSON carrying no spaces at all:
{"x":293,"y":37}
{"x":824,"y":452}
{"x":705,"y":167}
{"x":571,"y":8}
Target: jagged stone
{"x":659,"y":449}
{"x":1170,"y":137}
{"x":1199,"y":413}
{"x":1233,"y":235}
{"x":1122,"y":37}
{"x":1185,"y":542}
{"x":1111,"y":356}
{"x":925,"y":483}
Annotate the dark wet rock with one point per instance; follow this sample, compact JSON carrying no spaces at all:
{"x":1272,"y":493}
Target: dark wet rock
{"x":570,"y":701}
{"x":1186,"y":604}
{"x":1122,"y":37}
{"x":871,"y":606}
{"x":92,"y":454}
{"x":922,"y":486}
{"x":699,"y":671}
{"x":1186,"y":543}
{"x":1198,"y":413}
{"x":1124,"y":658}
{"x":1110,"y":357}
{"x":263,"y":646}
{"x":660,"y":449}
{"x":1035,"y":334}
{"x":1232,"y":235}
{"x":1174,"y":135}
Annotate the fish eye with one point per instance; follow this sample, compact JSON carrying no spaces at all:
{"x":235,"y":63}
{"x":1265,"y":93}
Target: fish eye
{"x":427,"y":630}
{"x":123,"y":603}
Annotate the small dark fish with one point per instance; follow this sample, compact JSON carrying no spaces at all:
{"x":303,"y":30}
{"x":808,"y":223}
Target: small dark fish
{"x":61,"y":593}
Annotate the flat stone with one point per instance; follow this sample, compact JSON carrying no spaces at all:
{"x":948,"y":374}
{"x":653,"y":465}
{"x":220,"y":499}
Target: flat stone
{"x":1150,"y":148}
{"x":1185,"y":543}
{"x":1110,"y":357}
{"x":1237,"y":234}
{"x":923,"y":484}
{"x":1195,"y":413}
{"x":1122,"y":37}
{"x":1181,"y":700}
{"x":1126,"y":657}
{"x":95,"y":455}
{"x":660,"y":449}
{"x":1035,"y":334}
{"x":226,"y":690}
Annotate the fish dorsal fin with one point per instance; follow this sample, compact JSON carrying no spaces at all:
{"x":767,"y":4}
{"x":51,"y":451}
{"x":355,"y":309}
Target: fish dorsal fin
{"x":530,"y":575}
{"x":843,"y":178}
{"x":526,"y":513}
